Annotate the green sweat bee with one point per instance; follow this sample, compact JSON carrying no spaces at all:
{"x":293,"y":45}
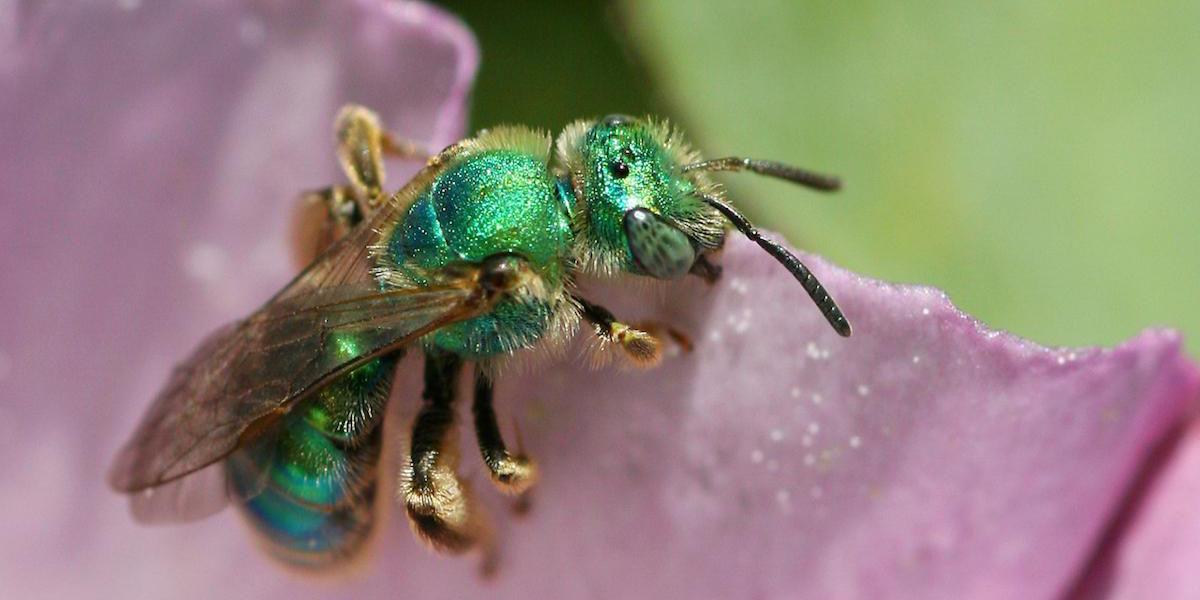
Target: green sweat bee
{"x":473,"y":261}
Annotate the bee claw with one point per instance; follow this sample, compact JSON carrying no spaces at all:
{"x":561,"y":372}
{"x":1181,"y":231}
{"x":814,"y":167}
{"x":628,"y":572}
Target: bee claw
{"x":642,"y":347}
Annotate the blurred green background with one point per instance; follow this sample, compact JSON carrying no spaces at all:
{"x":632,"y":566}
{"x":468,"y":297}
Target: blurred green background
{"x":1036,"y":160}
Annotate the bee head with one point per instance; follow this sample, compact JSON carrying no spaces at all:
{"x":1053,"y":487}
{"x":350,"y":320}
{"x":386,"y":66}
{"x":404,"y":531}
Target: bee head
{"x":644,"y":203}
{"x":637,"y":211}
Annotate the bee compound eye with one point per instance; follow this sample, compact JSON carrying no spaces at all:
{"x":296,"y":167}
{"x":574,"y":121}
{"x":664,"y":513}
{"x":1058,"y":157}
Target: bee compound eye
{"x":659,"y":249}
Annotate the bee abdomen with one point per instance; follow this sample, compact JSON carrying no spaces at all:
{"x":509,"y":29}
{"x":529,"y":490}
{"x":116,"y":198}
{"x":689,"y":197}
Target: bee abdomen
{"x":316,"y":499}
{"x":310,"y":488}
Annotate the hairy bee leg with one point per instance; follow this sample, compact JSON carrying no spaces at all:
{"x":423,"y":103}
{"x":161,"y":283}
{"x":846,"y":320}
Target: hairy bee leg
{"x":403,"y":148}
{"x":657,"y":329}
{"x":360,"y":150}
{"x":511,"y":473}
{"x":322,"y":217}
{"x":439,"y":505}
{"x":325,"y":215}
{"x":361,"y":144}
{"x":643,"y":345}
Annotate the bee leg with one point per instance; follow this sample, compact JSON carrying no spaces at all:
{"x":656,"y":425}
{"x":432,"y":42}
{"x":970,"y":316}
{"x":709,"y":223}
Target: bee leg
{"x":361,"y":144}
{"x":658,"y":329}
{"x":403,"y":148}
{"x":512,"y":473}
{"x":322,"y":217}
{"x":642,"y":345}
{"x":440,"y":507}
{"x":325,"y":215}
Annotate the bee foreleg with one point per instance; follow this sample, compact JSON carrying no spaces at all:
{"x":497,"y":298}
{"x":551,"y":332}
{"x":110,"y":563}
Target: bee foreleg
{"x":439,"y":504}
{"x":641,"y":344}
{"x":512,"y":473}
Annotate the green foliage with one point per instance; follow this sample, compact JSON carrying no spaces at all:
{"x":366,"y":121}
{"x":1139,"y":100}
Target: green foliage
{"x":1037,"y":160}
{"x":545,"y":65}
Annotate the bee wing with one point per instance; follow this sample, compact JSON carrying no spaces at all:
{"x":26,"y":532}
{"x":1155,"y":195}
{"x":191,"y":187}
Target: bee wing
{"x":195,"y":496}
{"x":210,"y":489}
{"x":247,"y":375}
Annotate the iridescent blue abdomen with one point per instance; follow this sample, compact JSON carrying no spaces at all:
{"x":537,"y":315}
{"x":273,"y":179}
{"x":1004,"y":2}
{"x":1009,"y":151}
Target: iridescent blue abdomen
{"x":310,"y":485}
{"x":489,"y":202}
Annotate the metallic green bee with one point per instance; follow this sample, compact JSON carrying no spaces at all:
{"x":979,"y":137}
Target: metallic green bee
{"x":473,"y":260}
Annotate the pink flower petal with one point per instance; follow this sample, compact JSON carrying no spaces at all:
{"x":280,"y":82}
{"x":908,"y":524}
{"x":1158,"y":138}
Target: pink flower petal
{"x":1154,"y":550}
{"x":924,"y":457}
{"x":150,"y":159}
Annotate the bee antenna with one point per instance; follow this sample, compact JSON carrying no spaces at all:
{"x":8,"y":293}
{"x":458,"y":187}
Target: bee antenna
{"x":804,"y":177}
{"x":825,"y":303}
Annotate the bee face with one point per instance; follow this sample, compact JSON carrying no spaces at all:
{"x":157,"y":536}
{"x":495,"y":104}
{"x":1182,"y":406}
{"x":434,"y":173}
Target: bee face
{"x":638,"y":209}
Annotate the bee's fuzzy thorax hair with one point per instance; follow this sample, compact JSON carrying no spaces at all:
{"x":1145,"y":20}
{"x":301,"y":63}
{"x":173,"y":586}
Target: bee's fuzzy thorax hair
{"x":567,"y":148}
{"x":563,"y":320}
{"x":698,"y":220}
{"x":535,"y":142}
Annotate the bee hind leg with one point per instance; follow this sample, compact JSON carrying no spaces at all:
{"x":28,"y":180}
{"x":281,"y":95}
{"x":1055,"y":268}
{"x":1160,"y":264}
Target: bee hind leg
{"x":512,"y":474}
{"x":439,"y":505}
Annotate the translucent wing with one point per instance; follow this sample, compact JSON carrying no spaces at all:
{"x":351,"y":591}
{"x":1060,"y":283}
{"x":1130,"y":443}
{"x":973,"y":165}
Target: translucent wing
{"x":248,"y":374}
{"x":196,"y":496}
